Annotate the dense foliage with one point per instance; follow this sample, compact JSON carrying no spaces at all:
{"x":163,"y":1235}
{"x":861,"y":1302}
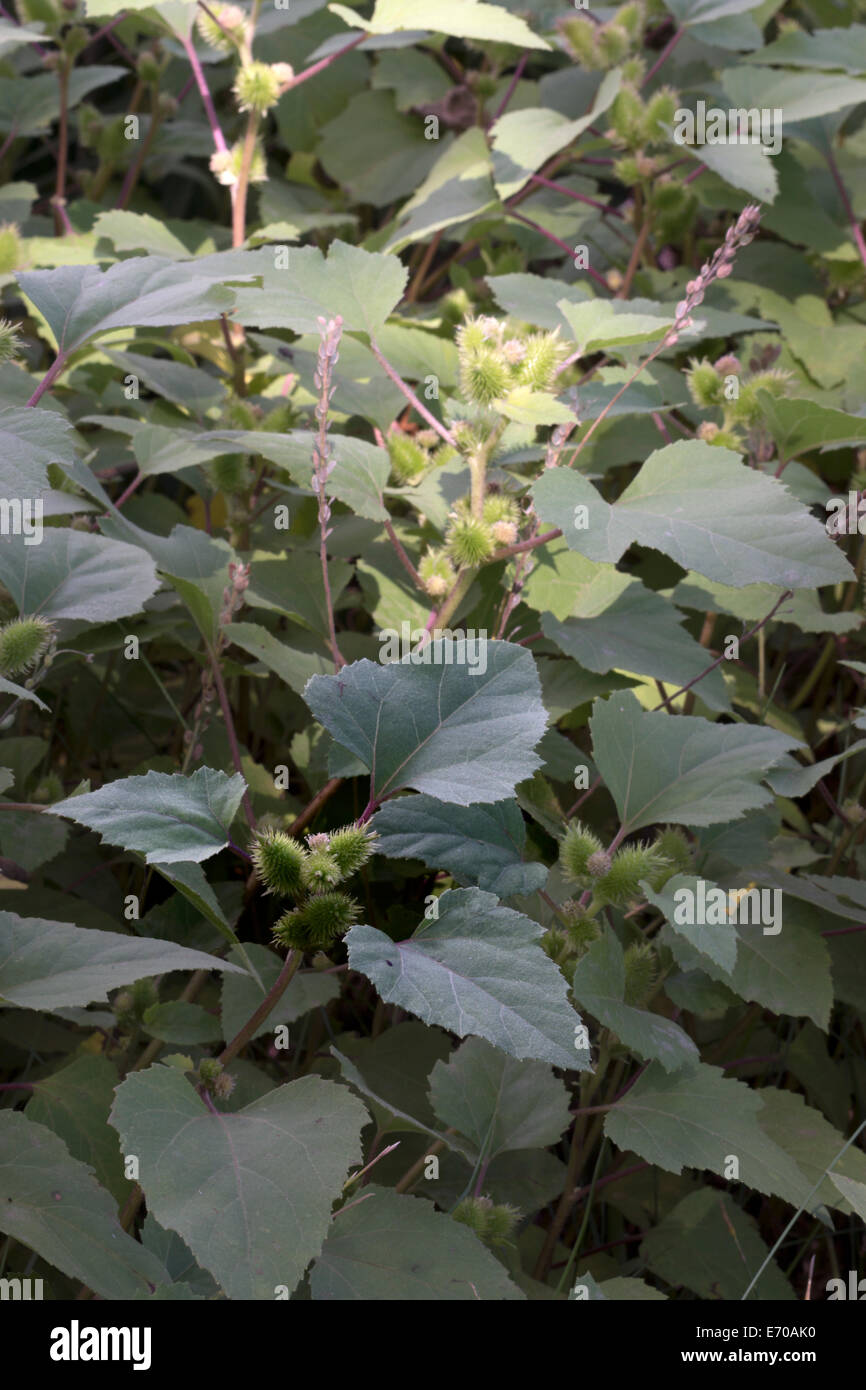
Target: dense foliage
{"x":432,"y":818}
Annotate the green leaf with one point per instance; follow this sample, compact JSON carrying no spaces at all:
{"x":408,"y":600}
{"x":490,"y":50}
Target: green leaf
{"x":20,"y":693}
{"x":29,"y":441}
{"x":461,"y":732}
{"x":73,"y":574}
{"x":660,"y":768}
{"x":52,"y":1204}
{"x":476,"y":968}
{"x":698,"y":1119}
{"x":459,"y":19}
{"x":800,"y":425}
{"x":28,"y":105}
{"x":705,"y":509}
{"x":73,"y":1102}
{"x":51,"y":965}
{"x":528,"y":407}
{"x":636,"y":631}
{"x":708,"y":511}
{"x":359,"y":476}
{"x":788,"y":972}
{"x":498,"y":1103}
{"x":391,"y":1072}
{"x":292,"y":585}
{"x":599,"y":987}
{"x":719,"y":942}
{"x":480,"y":845}
{"x":390,"y":1118}
{"x":241,"y":995}
{"x":801,"y":96}
{"x":713,"y":1247}
{"x":813,"y":1144}
{"x":389,"y":1247}
{"x":169,"y":818}
{"x":138,"y":231}
{"x":176,"y":1021}
{"x":15,"y":35}
{"x":80,"y":302}
{"x":191,"y":388}
{"x":360,"y":286}
{"x":188,"y":878}
{"x":602,"y":323}
{"x":843,"y":48}
{"x":376,"y":153}
{"x":793,"y":779}
{"x":457,"y":188}
{"x":853,"y":1192}
{"x":718,"y":22}
{"x":249,"y":1192}
{"x":755,"y":601}
{"x":748,"y":167}
{"x":524,"y":140}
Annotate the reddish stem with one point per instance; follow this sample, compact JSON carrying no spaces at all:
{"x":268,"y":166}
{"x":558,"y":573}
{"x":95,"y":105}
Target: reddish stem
{"x":204,"y":92}
{"x":856,"y":229}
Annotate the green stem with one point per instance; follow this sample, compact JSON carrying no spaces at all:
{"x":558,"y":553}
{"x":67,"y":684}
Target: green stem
{"x":271,"y":999}
{"x":239,"y":203}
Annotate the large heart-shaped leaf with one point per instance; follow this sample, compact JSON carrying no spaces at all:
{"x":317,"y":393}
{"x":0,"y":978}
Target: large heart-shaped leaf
{"x":73,"y":574}
{"x":249,"y":1192}
{"x":461,"y":726}
{"x":707,"y":510}
{"x":659,"y":767}
{"x":52,"y":1203}
{"x":476,"y":968}
{"x":389,"y":1247}
{"x":79,"y":302}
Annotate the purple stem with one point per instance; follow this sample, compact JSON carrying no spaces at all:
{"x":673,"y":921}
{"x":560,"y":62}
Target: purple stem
{"x":122,"y":50}
{"x":410,"y":394}
{"x":569,"y":251}
{"x":663,"y":56}
{"x":17,"y":1085}
{"x":325,"y":62}
{"x":8,"y":141}
{"x":578,"y":197}
{"x":60,"y":209}
{"x":512,"y":87}
{"x":49,"y":378}
{"x":204,"y":92}
{"x":846,"y":203}
{"x":695,"y":174}
{"x":106,"y":29}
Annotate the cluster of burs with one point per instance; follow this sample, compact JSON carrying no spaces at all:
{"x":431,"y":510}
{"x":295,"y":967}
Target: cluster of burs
{"x":310,"y":875}
{"x":495,"y":359}
{"x":641,"y":128}
{"x":613,"y":880}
